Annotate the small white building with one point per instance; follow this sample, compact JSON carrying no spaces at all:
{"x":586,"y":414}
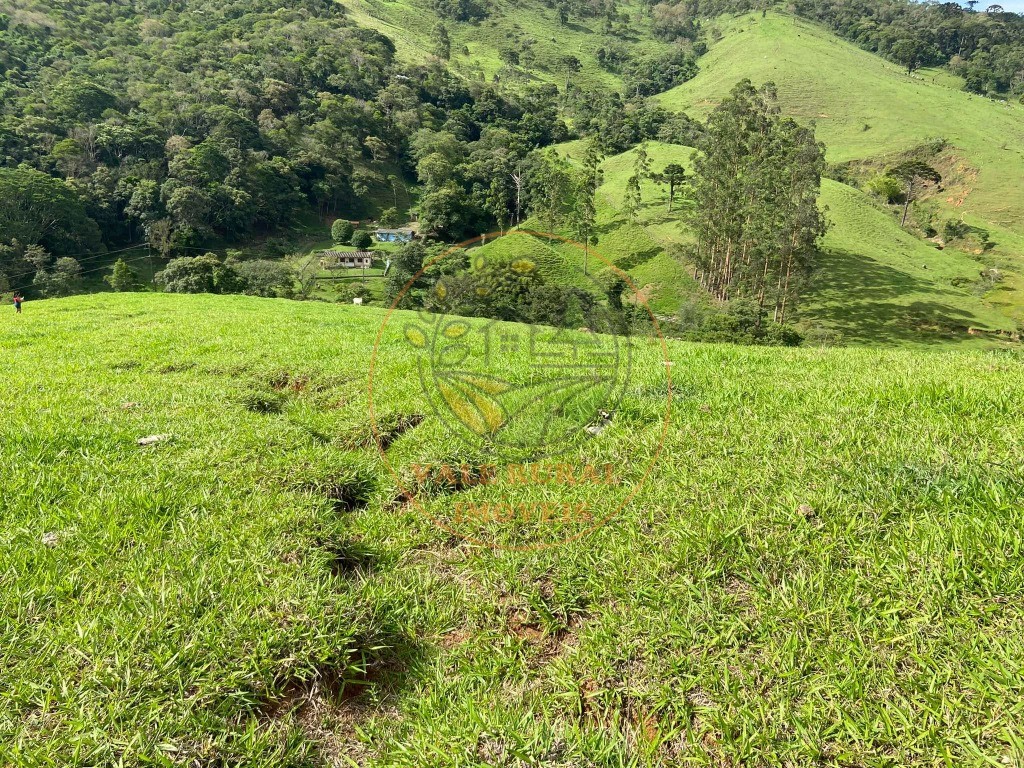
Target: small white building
{"x":346,"y":259}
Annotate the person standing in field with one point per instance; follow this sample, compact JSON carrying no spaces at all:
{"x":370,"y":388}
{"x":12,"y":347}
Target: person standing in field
{"x":18,"y":298}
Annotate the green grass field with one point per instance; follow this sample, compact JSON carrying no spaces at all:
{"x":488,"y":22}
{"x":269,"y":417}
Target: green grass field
{"x":823,"y":568}
{"x":228,"y":539}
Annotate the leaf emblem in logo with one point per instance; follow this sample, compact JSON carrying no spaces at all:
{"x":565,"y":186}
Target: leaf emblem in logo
{"x":473,"y":400}
{"x":415,"y":336}
{"x":456,"y":330}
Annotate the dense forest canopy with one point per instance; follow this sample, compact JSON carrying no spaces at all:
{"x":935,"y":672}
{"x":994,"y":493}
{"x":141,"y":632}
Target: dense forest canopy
{"x":219,"y":118}
{"x":185,"y":122}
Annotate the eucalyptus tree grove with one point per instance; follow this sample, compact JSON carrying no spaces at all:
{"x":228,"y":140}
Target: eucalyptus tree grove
{"x":756,"y":178}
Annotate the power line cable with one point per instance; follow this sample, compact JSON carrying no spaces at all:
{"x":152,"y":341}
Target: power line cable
{"x":106,"y":266}
{"x":96,"y":256}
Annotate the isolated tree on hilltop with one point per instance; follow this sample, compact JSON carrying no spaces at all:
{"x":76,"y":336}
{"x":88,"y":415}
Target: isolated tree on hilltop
{"x":673,"y":175}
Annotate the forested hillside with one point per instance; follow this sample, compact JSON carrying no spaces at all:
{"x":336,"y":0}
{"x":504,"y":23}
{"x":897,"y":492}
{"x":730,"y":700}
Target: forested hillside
{"x":192,"y":126}
{"x":199,"y":120}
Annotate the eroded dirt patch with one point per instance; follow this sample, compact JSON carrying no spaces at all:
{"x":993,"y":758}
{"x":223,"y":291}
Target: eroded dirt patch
{"x":329,"y":705}
{"x":545,"y":643}
{"x":390,"y":428}
{"x":283,"y":381}
{"x":349,"y":558}
{"x":347,"y":493}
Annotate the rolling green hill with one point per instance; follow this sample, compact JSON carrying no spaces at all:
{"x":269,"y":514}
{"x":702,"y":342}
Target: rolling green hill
{"x":240,"y":531}
{"x":876,"y":282}
{"x":870,"y":111}
{"x":867,"y":108}
{"x":828,"y":536}
{"x":476,"y":46}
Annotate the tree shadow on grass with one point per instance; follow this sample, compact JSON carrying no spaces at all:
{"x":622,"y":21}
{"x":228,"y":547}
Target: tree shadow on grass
{"x":636,"y":258}
{"x":578,"y":28}
{"x":858,"y":296}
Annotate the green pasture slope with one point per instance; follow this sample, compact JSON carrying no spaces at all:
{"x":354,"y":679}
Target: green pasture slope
{"x":876,"y":283}
{"x":865,"y":107}
{"x":824,"y":567}
{"x":869,"y":111}
{"x":476,"y":46}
